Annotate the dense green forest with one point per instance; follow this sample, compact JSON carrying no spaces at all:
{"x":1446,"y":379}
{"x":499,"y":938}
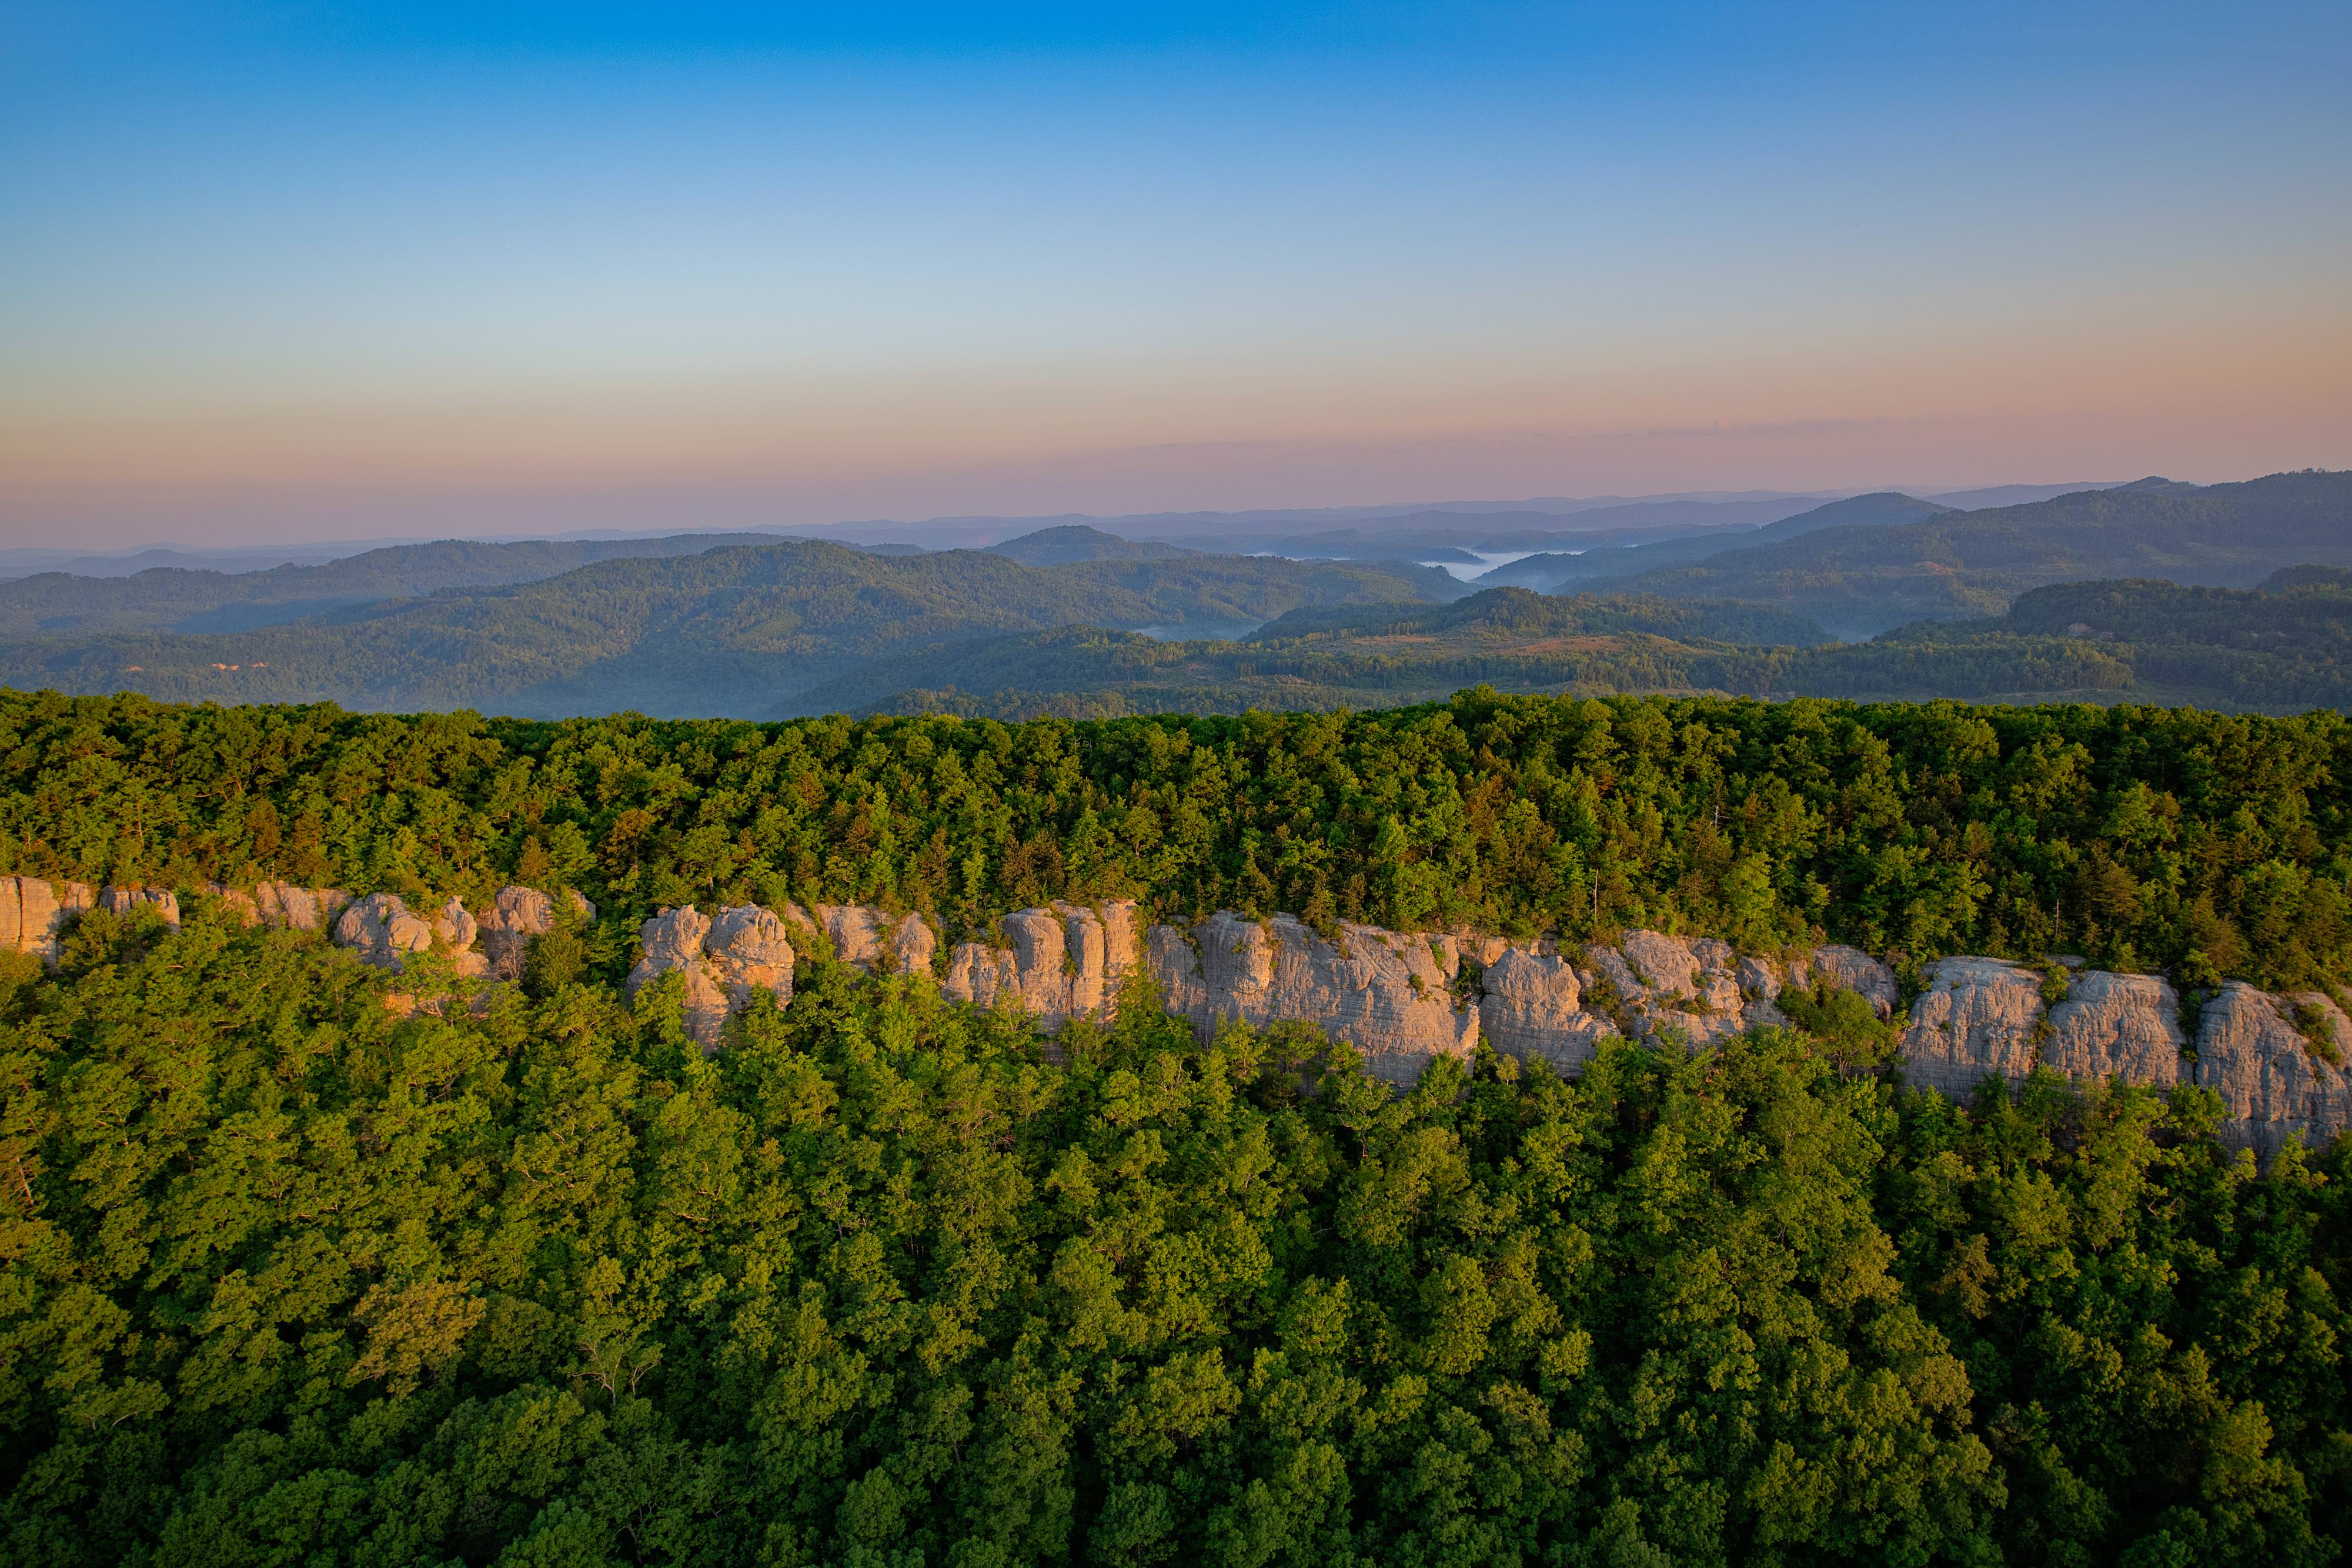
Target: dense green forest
{"x":1859,"y":581}
{"x":2210,"y":845}
{"x":292,"y":1280}
{"x":295,"y":1278}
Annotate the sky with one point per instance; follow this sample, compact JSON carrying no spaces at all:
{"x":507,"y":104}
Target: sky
{"x":275,"y":271}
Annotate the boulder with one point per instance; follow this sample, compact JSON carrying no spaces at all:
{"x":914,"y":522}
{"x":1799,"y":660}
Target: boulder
{"x":2275,"y":1084}
{"x":1389,"y":994}
{"x":1532,"y":1008}
{"x":33,"y":913}
{"x":2117,"y":1026}
{"x":1980,"y":1017}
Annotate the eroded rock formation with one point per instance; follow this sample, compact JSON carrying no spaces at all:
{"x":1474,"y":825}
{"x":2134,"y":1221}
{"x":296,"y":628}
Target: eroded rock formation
{"x":2272,"y":1079}
{"x":1978,"y":1017}
{"x":1389,"y":994}
{"x":1532,"y":1008}
{"x":2117,"y":1026}
{"x":871,"y":937}
{"x":384,"y":931}
{"x":2279,"y":1063}
{"x":724,"y":960}
{"x":518,"y":915}
{"x":33,"y":913}
{"x":123,"y":900}
{"x":1062,"y":962}
{"x":1686,"y":984}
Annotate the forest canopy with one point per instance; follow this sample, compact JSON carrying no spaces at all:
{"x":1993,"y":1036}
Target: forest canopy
{"x":292,"y":1279}
{"x":522,"y":1276}
{"x":2211,"y":846}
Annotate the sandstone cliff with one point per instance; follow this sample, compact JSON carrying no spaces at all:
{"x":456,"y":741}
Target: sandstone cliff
{"x":33,"y":913}
{"x":516,"y":916}
{"x":870,"y":938}
{"x":2117,"y":1026}
{"x":1980,"y":1017}
{"x":1062,"y":962}
{"x":1390,"y":996}
{"x":724,"y":960}
{"x":2279,"y":1064}
{"x":2271,"y":1078}
{"x":384,"y":932}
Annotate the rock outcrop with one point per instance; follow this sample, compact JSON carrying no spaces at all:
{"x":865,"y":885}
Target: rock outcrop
{"x":871,"y":937}
{"x":123,"y":900}
{"x":724,"y":960}
{"x":2117,"y":1026}
{"x":1979,"y":1017}
{"x":33,"y":913}
{"x":283,"y":906}
{"x":2272,"y":1079}
{"x":517,"y":916}
{"x":1686,"y":984}
{"x":1062,"y":962}
{"x":1846,"y":969}
{"x":384,"y":932}
{"x":1532,"y":1008}
{"x":1388,"y":994}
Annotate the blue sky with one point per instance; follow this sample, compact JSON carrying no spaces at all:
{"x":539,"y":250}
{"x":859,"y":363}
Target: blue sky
{"x":288,"y":270}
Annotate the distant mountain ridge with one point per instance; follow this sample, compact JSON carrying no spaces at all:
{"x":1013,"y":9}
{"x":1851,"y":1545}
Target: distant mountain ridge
{"x":736,"y":630}
{"x":1560,"y":573}
{"x":1861,"y":580}
{"x":179,"y":599}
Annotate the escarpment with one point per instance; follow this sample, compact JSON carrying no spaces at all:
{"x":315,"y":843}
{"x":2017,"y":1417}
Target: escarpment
{"x":725,"y":958}
{"x":1059,"y":962}
{"x":2279,"y":1063}
{"x":1391,"y":995}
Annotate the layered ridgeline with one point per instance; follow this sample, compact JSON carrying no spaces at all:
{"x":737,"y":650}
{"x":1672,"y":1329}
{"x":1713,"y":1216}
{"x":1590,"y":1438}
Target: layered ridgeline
{"x":193,"y":600}
{"x":1859,"y":580}
{"x":736,"y":630}
{"x":372,"y":1195}
{"x":2281,"y":648}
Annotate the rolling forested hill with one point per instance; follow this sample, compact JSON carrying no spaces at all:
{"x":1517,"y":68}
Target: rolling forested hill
{"x":2102,"y":641}
{"x":1859,"y":581}
{"x":737,"y":630}
{"x":169,"y":598}
{"x":1555,"y":572}
{"x":517,"y":1275}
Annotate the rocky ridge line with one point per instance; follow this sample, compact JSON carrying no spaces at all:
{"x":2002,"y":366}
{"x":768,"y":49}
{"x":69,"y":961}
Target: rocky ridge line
{"x":2279,"y":1063}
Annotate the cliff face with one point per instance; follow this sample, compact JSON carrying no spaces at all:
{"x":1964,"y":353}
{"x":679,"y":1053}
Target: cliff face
{"x":2279,"y":1063}
{"x":2118,"y":1026}
{"x":1058,"y":963}
{"x":724,"y":959}
{"x":1979,"y":1017}
{"x":2272,"y":1079}
{"x":1391,"y":995}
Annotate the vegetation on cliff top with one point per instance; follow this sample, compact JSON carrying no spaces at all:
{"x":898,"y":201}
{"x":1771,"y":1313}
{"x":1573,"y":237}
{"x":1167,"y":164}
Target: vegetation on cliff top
{"x":2212,"y":846}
